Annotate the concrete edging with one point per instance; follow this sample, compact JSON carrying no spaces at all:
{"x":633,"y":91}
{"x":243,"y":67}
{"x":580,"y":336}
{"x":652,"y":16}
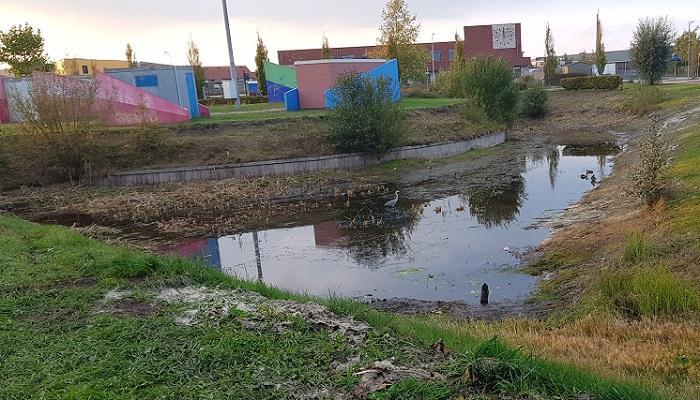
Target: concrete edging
{"x":296,"y":166}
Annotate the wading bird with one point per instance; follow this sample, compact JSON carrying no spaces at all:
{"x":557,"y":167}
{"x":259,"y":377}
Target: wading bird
{"x":392,"y":203}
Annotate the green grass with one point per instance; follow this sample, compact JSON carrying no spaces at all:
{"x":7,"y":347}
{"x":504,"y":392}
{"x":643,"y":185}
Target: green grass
{"x":649,"y":291}
{"x":53,"y":344}
{"x":266,"y":111}
{"x":246,"y":107}
{"x":638,"y":249}
{"x":676,"y":94}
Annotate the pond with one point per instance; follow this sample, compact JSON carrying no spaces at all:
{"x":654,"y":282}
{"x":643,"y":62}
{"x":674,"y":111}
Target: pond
{"x":441,"y":249}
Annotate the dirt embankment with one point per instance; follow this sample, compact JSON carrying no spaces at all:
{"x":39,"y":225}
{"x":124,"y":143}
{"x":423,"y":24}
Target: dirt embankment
{"x":233,"y":205}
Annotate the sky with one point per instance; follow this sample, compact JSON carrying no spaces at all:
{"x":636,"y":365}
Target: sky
{"x":101,"y":29}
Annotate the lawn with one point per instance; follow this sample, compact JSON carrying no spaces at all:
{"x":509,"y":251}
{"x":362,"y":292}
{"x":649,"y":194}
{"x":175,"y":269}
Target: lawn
{"x":81,"y":319}
{"x":267,"y":111}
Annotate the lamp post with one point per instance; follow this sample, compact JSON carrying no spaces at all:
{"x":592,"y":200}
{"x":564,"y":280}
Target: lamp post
{"x":234,"y":75}
{"x":432,"y":49}
{"x":177,"y":86}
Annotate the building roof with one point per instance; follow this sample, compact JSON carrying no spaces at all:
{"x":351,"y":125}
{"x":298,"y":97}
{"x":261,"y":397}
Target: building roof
{"x":612,"y":56}
{"x":224,"y":73}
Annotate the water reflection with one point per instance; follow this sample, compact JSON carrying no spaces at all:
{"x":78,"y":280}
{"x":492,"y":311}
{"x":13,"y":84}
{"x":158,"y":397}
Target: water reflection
{"x":443,"y":249}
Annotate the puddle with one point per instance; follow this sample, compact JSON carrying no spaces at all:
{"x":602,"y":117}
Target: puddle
{"x":443,"y":249}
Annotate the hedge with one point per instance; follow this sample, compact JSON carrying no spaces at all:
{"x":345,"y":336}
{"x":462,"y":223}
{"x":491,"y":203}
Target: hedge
{"x":602,"y":82}
{"x":244,"y":100}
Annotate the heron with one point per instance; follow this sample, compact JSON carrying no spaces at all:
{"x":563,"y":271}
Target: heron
{"x":392,"y":203}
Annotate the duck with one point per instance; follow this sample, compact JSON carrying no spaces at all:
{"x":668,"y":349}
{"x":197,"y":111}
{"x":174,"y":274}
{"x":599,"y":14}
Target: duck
{"x":594,"y":180}
{"x":584,"y":176}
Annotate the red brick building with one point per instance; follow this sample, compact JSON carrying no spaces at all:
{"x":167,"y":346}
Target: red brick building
{"x":503,"y":41}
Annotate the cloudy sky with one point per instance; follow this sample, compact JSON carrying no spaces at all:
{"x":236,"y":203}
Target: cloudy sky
{"x":101,"y":29}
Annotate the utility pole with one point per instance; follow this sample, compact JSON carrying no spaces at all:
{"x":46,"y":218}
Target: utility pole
{"x":690,"y":44}
{"x":234,"y":74}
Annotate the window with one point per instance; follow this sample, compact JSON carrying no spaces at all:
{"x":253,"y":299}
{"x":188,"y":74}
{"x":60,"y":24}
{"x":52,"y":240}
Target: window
{"x":437,"y":55}
{"x":146,"y":80}
{"x":85,"y":69}
{"x":451,"y":54}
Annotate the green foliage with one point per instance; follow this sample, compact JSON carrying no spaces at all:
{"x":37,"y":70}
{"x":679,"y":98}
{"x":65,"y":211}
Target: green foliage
{"x":651,"y":48}
{"x":474,"y":112}
{"x":601,"y":82}
{"x":648,"y":291}
{"x":364,"y":117}
{"x":643,"y":100}
{"x":459,"y":58}
{"x":397,"y":37}
{"x":689,"y":43}
{"x":196,"y":63}
{"x":601,"y":60}
{"x":647,"y":175}
{"x":419,"y":92}
{"x":325,"y":49}
{"x":490,"y":82}
{"x":550,"y":61}
{"x":260,"y":59}
{"x":638,"y":248}
{"x":23,"y":50}
{"x":534,"y":102}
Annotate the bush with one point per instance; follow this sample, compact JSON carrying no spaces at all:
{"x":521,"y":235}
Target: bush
{"x":474,"y":112}
{"x":644,"y":100}
{"x":601,"y":82}
{"x":419,"y":92}
{"x":490,"y":82}
{"x":647,"y":176}
{"x":364,"y":117}
{"x":534,"y":102}
{"x":650,"y":291}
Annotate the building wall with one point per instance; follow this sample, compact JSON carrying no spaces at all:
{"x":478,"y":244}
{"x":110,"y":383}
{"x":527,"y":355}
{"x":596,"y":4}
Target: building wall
{"x":168,"y":83}
{"x":4,"y":105}
{"x":86,"y":66}
{"x":443,"y":49}
{"x":478,"y":42}
{"x":314,"y":78}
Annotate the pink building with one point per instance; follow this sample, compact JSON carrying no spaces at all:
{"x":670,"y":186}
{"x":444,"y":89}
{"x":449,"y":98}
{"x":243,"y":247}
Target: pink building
{"x":317,"y":76}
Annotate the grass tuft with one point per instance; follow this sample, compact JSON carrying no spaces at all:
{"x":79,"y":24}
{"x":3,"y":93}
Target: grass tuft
{"x":638,"y":249}
{"x":649,"y":291}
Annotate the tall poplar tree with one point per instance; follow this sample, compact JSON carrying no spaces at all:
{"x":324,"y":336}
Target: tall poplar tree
{"x":196,"y":63}
{"x":260,"y":58}
{"x":325,"y":49}
{"x":550,"y":61}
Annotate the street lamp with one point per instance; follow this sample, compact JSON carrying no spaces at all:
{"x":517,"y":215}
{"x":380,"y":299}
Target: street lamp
{"x":234,"y":74}
{"x":177,"y":86}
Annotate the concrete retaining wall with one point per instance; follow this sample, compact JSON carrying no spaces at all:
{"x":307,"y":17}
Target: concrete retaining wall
{"x":297,"y":165}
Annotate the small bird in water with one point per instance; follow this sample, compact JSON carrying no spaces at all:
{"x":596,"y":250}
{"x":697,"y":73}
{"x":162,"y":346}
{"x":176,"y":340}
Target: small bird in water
{"x":589,"y":172}
{"x":585,"y":177}
{"x":594,"y":180}
{"x":484,"y":294}
{"x":392,"y":203}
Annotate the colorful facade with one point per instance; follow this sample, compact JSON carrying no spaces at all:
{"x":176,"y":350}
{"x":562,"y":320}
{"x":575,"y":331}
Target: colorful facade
{"x":87,"y":66}
{"x":280,"y":80}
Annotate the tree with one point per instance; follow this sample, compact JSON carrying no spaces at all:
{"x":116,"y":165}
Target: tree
{"x":260,"y":58}
{"x":196,"y":63}
{"x":130,"y":56}
{"x":398,"y":34}
{"x":459,"y":59}
{"x":600,"y":59}
{"x":682,"y":44}
{"x":550,"y":61}
{"x":325,"y":49}
{"x":651,"y":48}
{"x":23,"y":50}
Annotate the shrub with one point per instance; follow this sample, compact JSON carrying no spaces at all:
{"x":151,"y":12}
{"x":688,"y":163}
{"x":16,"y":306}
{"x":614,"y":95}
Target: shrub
{"x":644,"y":100}
{"x":490,"y":82}
{"x":474,"y":112}
{"x":601,"y":82}
{"x":56,"y":143}
{"x":244,"y":100}
{"x":364,"y":117}
{"x":419,"y":92}
{"x":534,"y":102}
{"x":647,"y":176}
{"x":650,"y":291}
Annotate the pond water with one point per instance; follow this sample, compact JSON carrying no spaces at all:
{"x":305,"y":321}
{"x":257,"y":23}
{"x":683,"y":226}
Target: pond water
{"x":442,"y":249}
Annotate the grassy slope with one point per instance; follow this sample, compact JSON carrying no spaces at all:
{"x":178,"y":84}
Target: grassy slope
{"x":53,"y":344}
{"x":653,"y":275}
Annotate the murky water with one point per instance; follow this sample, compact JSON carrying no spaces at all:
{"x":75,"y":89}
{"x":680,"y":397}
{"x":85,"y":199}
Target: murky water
{"x":444,"y":249}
